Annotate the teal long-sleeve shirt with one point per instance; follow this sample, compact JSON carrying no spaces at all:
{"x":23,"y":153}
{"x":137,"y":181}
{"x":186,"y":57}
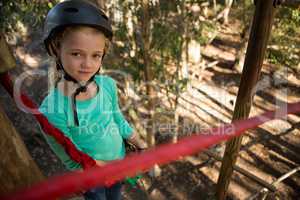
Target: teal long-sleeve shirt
{"x":102,"y":126}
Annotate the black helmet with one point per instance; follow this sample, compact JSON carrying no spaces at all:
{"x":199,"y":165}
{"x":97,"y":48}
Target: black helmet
{"x":75,"y":12}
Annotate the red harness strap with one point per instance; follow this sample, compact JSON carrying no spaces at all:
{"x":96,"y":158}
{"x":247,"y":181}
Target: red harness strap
{"x":85,"y":160}
{"x":72,"y":182}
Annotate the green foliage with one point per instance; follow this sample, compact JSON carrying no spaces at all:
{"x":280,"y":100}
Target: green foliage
{"x":283,"y":57}
{"x":177,"y":86}
{"x":29,"y":13}
{"x":243,"y":11}
{"x":296,"y":16}
{"x":285,"y":42}
{"x":173,"y":23}
{"x":275,"y":56}
{"x":206,"y":32}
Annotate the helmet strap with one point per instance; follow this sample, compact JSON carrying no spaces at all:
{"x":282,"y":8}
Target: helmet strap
{"x":82,"y":87}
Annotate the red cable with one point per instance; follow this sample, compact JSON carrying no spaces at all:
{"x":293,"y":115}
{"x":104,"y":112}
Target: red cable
{"x":73,"y":182}
{"x":85,"y":160}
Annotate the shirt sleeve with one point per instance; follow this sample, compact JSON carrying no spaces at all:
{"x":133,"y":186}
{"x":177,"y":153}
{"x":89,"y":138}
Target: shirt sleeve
{"x":58,"y":121}
{"x":124,"y":127}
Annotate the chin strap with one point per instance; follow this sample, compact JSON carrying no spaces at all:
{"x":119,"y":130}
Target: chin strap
{"x":74,"y":95}
{"x":82,"y":88}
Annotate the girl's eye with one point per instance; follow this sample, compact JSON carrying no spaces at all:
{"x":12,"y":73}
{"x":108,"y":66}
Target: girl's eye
{"x":98,"y":56}
{"x":76,"y":54}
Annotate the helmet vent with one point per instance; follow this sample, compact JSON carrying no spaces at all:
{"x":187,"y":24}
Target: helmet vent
{"x":71,"y":10}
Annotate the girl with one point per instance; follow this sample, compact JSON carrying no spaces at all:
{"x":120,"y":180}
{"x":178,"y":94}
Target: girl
{"x":82,"y":103}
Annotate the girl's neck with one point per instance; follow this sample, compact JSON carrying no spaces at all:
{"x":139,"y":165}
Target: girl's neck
{"x":68,"y":88}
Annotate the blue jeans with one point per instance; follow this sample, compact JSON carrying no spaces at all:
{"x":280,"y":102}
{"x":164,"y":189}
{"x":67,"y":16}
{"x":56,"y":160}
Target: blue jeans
{"x":104,"y":193}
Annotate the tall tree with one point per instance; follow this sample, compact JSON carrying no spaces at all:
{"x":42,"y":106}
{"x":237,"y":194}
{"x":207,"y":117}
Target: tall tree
{"x":148,"y":75}
{"x":224,"y":14}
{"x":148,"y":71}
{"x":17,"y":168}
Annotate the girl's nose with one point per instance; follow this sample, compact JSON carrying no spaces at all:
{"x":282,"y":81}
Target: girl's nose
{"x":88,"y":62}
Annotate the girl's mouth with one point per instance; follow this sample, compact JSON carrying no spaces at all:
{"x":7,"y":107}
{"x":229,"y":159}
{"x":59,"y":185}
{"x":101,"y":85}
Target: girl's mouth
{"x":85,"y":72}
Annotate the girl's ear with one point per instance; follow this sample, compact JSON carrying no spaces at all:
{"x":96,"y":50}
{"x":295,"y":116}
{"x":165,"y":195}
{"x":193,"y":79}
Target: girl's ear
{"x":54,"y":50}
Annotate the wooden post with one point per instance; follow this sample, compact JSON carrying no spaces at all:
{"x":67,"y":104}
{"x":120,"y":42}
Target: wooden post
{"x":260,"y":31}
{"x":17,"y":168}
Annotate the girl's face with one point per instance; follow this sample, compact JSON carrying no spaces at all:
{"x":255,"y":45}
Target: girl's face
{"x":81,"y":52}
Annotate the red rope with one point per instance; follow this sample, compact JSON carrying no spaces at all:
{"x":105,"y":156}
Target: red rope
{"x":85,"y":160}
{"x":76,"y":181}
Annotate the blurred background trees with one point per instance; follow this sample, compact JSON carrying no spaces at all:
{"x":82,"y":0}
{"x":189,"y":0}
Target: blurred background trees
{"x":172,"y":26}
{"x":153,"y":34}
{"x":158,"y":45}
{"x":159,"y":42}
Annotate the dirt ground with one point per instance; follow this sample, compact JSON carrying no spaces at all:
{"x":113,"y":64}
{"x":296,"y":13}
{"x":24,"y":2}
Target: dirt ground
{"x":268,"y":151}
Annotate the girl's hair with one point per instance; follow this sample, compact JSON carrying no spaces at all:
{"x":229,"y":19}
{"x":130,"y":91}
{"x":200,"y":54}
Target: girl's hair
{"x":54,"y":74}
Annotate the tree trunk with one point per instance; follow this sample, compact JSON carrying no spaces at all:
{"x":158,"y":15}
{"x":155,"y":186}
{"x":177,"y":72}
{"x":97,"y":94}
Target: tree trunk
{"x":17,"y":168}
{"x":149,"y":77}
{"x":260,"y":32}
{"x":215,"y":6}
{"x":181,"y":64}
{"x":224,"y":14}
{"x":228,"y":4}
{"x":7,"y":61}
{"x":148,"y":69}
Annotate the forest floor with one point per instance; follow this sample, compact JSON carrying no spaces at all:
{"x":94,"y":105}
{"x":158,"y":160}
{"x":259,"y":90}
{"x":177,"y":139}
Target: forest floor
{"x":268,"y":151}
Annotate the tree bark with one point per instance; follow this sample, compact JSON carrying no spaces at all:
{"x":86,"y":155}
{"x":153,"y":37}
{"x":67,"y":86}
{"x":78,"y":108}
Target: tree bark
{"x":148,"y":72}
{"x":228,"y":4}
{"x":260,"y":32}
{"x":149,"y":77}
{"x":224,"y":14}
{"x":17,"y":168}
{"x":215,"y":6}
{"x":7,"y":61}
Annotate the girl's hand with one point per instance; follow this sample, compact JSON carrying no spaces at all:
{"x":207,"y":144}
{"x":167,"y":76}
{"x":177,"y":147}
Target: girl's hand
{"x":138,"y":142}
{"x":100,"y":163}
